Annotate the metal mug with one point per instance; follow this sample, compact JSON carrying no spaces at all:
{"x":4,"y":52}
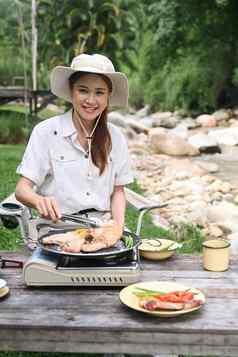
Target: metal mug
{"x":216,"y":254}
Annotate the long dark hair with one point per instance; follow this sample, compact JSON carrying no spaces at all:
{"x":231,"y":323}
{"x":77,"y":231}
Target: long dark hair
{"x":101,"y":142}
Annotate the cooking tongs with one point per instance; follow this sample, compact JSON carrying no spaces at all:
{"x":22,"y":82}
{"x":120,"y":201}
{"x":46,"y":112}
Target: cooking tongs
{"x":63,"y":223}
{"x":95,"y":222}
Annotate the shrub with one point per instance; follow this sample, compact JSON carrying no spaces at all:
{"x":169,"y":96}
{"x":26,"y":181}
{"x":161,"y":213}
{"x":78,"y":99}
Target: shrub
{"x":13,"y":128}
{"x":11,"y":65}
{"x":186,"y":82}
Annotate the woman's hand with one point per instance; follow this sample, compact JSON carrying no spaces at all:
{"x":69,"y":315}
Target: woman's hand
{"x":47,"y":207}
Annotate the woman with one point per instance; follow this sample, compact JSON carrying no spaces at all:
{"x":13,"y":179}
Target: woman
{"x":77,"y":162}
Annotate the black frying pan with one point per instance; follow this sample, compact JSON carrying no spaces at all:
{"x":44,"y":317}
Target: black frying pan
{"x":119,"y":249}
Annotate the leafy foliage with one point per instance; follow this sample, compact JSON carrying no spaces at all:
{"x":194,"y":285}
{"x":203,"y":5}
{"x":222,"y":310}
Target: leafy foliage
{"x":13,"y":128}
{"x":65,"y":29}
{"x":192,"y":53}
{"x":189,"y":234}
{"x":14,"y":28}
{"x":186,"y":83}
{"x":95,"y":26}
{"x":184,"y":51}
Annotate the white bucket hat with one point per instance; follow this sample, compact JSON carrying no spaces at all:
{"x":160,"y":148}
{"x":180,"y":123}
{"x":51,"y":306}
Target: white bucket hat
{"x":92,"y":64}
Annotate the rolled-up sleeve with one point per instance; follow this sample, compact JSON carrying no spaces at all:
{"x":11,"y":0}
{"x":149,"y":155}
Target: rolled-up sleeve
{"x":124,"y":173}
{"x":35,"y":162}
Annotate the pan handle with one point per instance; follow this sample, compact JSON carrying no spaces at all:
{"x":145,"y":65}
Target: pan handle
{"x":10,"y":263}
{"x":143,"y":210}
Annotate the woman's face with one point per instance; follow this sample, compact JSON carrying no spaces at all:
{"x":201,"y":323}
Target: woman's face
{"x":90,"y":94}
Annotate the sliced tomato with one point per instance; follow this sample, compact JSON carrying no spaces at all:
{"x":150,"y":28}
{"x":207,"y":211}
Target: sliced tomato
{"x":171,"y":297}
{"x":177,"y":296}
{"x":187,"y":297}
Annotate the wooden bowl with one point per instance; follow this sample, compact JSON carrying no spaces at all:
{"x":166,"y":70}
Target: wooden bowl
{"x":156,"y":249}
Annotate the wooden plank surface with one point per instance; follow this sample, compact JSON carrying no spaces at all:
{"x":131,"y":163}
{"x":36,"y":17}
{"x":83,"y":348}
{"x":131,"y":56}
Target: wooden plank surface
{"x":93,"y":319}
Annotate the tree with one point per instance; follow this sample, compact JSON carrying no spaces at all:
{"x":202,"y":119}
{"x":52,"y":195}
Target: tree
{"x":73,"y":27}
{"x":193,"y":52}
{"x":14,"y":37}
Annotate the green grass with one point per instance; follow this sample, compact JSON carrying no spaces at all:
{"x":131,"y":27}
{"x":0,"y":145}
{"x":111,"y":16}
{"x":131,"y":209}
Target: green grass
{"x":10,"y":156}
{"x":16,"y":122}
{"x":18,"y":108}
{"x":22,"y":109}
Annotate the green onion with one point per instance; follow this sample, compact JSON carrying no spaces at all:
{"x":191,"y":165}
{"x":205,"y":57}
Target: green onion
{"x":128,"y":242}
{"x":146,"y":292}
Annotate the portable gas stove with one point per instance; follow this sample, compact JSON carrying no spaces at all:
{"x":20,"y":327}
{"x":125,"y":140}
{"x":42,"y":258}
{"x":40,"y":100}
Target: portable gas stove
{"x":48,"y":269}
{"x":50,"y":265}
{"x":115,"y":266}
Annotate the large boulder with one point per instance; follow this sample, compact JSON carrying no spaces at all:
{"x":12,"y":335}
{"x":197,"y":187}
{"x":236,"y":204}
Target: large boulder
{"x":210,"y":167}
{"x":222,"y":115}
{"x":204,"y":143}
{"x":206,"y":120}
{"x":190,"y":123}
{"x":143,"y":112}
{"x":227,"y":136}
{"x":147,"y":122}
{"x":235,"y":112}
{"x":164,"y":119}
{"x":157,"y":131}
{"x":225,"y":214}
{"x":233,"y":123}
{"x":138,"y":148}
{"x":230,"y":152}
{"x":198,"y":213}
{"x":117,"y":119}
{"x":137,"y":126}
{"x":161,"y":115}
{"x":170,"y":144}
{"x":180,"y":130}
{"x":183,"y":169}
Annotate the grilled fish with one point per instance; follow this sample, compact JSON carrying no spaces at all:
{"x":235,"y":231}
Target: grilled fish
{"x":86,"y":239}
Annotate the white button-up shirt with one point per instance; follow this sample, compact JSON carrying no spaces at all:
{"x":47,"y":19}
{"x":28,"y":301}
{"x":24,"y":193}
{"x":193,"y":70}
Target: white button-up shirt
{"x":57,"y":164}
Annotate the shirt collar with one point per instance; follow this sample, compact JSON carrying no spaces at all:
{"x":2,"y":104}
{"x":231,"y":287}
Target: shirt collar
{"x":67,"y":124}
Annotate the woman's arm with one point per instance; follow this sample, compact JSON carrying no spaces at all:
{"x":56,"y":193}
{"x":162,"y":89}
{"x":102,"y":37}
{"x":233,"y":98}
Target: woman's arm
{"x":118,"y":206}
{"x":47,"y":207}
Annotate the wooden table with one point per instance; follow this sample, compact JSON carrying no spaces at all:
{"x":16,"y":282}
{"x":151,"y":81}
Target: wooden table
{"x":94,"y":320}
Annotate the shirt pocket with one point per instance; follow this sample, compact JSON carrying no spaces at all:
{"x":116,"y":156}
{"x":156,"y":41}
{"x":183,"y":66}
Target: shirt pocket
{"x":63,"y":156}
{"x":66,"y":166}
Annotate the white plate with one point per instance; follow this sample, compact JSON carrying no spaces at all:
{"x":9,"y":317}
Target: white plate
{"x":3,"y":283}
{"x":129,"y":299}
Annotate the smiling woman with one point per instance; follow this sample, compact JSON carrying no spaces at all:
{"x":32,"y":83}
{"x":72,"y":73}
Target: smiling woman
{"x":78,"y":162}
{"x":90,"y":96}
